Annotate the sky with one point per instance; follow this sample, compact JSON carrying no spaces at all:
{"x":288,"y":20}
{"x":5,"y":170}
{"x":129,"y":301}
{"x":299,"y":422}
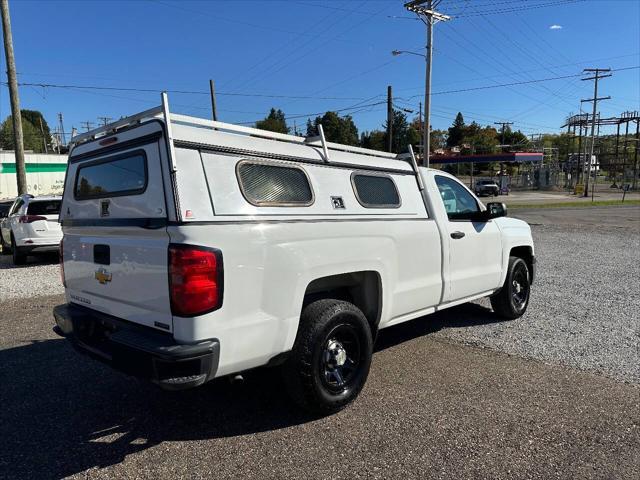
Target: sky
{"x":328,"y":55}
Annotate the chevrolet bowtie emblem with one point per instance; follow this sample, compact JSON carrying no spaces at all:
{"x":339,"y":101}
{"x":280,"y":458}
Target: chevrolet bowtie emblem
{"x":103,"y":276}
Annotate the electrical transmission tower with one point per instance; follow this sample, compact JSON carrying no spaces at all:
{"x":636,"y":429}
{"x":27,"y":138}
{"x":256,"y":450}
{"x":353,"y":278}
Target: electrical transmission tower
{"x":62,"y":139}
{"x":597,"y":76}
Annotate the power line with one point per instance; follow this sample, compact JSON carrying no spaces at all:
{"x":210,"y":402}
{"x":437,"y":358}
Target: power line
{"x":303,"y":115}
{"x":486,"y":87}
{"x":496,"y":61}
{"x":306,"y":53}
{"x":518,"y":9}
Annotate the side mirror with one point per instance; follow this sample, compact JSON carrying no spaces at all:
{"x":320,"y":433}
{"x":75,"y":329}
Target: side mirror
{"x":495,"y":210}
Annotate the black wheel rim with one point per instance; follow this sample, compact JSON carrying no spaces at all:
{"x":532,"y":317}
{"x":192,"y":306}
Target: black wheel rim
{"x":520,"y":288}
{"x":340,"y":358}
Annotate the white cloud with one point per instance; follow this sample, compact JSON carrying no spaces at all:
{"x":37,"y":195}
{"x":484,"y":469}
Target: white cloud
{"x":555,"y":27}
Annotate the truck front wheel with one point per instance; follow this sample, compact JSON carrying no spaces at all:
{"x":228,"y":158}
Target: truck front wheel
{"x":513,"y":298}
{"x":331,"y":356}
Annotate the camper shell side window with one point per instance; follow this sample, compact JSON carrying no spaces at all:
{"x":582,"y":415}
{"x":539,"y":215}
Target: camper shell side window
{"x":375,"y":190}
{"x":267,"y":184}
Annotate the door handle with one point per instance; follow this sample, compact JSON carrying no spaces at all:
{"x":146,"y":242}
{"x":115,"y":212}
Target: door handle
{"x":457,"y":235}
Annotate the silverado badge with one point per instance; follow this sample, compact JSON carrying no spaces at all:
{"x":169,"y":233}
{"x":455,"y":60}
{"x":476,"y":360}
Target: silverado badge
{"x":103,"y":276}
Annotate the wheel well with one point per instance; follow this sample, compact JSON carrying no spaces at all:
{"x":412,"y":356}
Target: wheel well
{"x":524,"y":253}
{"x":363,"y":289}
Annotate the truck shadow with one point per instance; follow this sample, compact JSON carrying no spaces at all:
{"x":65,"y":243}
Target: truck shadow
{"x":62,"y":414}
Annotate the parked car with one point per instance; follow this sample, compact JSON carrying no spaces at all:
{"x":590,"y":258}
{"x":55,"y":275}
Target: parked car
{"x":195,"y":249}
{"x":486,"y":187}
{"x":31,"y":226}
{"x":5,"y":206}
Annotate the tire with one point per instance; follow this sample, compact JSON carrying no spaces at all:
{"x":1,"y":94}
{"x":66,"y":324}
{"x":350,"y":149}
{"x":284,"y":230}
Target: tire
{"x":331,"y":357}
{"x":6,"y":249}
{"x":513,"y":298}
{"x":19,"y":258}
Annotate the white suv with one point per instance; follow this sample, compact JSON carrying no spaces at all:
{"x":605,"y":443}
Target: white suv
{"x":31,"y":226}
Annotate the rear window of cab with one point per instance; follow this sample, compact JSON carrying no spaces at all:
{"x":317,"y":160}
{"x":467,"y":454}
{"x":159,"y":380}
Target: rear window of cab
{"x":124,"y":174}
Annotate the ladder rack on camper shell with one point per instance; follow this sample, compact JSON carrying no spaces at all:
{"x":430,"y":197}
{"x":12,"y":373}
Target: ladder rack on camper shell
{"x":162,"y":113}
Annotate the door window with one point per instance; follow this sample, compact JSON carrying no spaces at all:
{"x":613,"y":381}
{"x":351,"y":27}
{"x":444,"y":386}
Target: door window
{"x":458,"y":202}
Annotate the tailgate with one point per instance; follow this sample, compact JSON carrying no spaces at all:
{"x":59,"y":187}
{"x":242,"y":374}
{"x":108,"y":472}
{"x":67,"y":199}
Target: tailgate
{"x":115,"y":243}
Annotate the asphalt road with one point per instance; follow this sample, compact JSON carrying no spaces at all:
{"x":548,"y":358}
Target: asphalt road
{"x":431,"y":409}
{"x":443,"y":400}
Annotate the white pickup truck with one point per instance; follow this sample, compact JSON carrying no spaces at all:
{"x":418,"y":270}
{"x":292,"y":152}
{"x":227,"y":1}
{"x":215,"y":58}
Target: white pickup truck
{"x":196,"y":249}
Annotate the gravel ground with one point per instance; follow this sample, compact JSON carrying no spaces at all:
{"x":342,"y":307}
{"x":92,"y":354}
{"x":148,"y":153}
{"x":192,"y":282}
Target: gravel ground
{"x":585,"y":304}
{"x":41,"y":276}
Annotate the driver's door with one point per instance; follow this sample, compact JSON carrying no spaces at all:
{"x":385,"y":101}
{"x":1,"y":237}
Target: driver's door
{"x":475,"y":248}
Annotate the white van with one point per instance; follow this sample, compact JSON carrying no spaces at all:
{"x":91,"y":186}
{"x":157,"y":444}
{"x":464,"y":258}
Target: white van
{"x":196,"y":249}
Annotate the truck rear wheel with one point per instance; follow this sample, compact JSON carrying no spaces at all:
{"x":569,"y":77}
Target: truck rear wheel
{"x":331,"y":356}
{"x":513,"y":298}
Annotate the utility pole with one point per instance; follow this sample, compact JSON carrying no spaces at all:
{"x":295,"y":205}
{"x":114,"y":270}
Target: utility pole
{"x":389,"y":119}
{"x":504,"y":125}
{"x":105,"y":120}
{"x":87,"y":125}
{"x":425,"y":12}
{"x":214,"y":110}
{"x":597,"y":76}
{"x":16,"y":116}
{"x":44,"y":139}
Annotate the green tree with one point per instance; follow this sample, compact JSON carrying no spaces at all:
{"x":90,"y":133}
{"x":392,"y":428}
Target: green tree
{"x":374,"y":140}
{"x":481,"y":140}
{"x":438,"y":139}
{"x":336,"y":129}
{"x":274,"y":122}
{"x":515,"y":139}
{"x":36,"y":118}
{"x":456,"y":131}
{"x":403,"y":134}
{"x":312,"y":131}
{"x":33,"y":139}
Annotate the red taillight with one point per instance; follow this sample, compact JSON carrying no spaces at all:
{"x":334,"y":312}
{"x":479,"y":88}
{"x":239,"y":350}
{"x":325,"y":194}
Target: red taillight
{"x":195,"y":280}
{"x":30,"y":218}
{"x":61,"y":256}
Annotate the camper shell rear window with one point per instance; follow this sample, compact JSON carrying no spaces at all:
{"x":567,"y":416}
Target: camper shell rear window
{"x":119,"y":175}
